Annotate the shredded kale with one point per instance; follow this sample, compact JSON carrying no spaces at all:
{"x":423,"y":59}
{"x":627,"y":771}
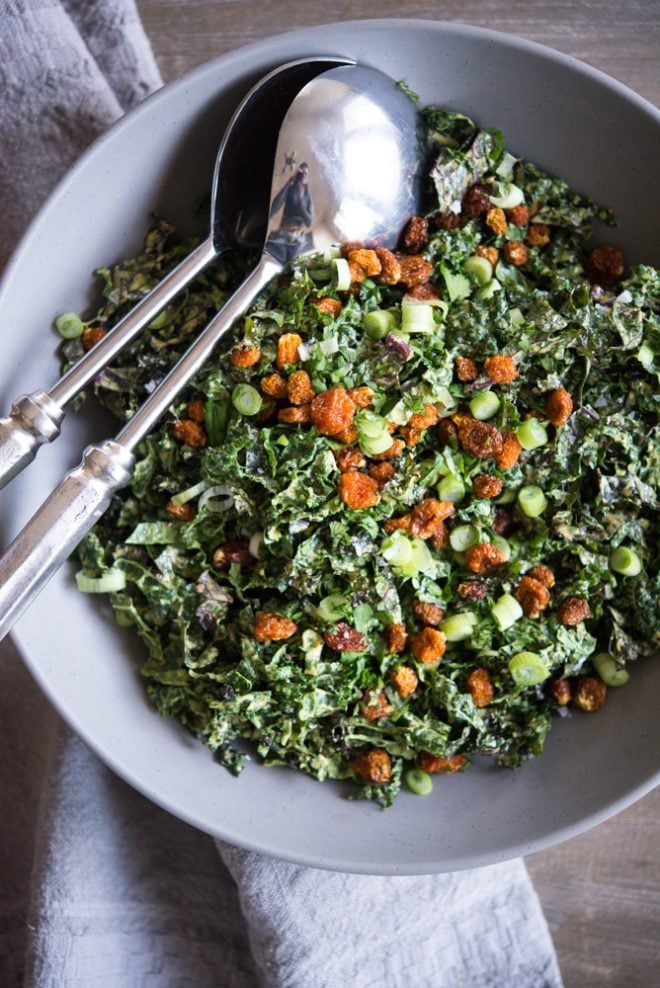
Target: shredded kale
{"x":287,"y":543}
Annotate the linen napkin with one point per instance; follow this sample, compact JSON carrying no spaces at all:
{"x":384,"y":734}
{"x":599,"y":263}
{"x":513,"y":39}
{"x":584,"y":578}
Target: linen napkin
{"x":97,"y":885}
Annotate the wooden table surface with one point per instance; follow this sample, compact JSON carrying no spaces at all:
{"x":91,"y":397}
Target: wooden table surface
{"x":600,"y":891}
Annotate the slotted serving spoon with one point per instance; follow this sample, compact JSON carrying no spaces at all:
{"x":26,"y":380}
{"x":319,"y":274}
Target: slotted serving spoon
{"x":350,"y":138}
{"x":239,"y":212}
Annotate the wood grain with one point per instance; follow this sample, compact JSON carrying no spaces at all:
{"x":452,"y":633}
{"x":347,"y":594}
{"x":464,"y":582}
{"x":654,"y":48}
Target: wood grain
{"x":600,"y":891}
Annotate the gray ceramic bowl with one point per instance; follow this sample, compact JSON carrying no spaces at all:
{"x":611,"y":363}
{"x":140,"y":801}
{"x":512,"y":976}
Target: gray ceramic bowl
{"x":566,"y":116}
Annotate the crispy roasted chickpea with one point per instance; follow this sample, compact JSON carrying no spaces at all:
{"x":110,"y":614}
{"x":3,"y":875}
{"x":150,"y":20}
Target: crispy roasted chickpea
{"x":558,"y":406}
{"x":295,"y":415}
{"x":510,"y":451}
{"x":491,"y":254}
{"x":195,"y":410}
{"x":382,"y":473}
{"x":428,"y":645}
{"x":427,"y":613}
{"x":358,"y":490}
{"x":299,"y":388}
{"x":363,"y":396}
{"x":573,"y":610}
{"x":481,"y":439}
{"x":396,"y":637}
{"x":375,"y":705}
{"x":487,"y":485}
{"x":475,"y":202}
{"x":374,"y":765}
{"x":532,"y":595}
{"x":182,"y":512}
{"x":188,"y":432}
{"x":332,"y":306}
{"x":560,"y":691}
{"x":538,"y":235}
{"x":405,"y":681}
{"x":332,"y":411}
{"x":245,"y":355}
{"x":427,"y":516}
{"x":350,"y":458}
{"x":415,"y":270}
{"x":543,"y":574}
{"x":270,"y":627}
{"x":273,"y":385}
{"x":91,"y":336}
{"x":480,"y":687}
{"x":484,"y":558}
{"x":440,"y":766}
{"x":515,"y":253}
{"x":472,"y":590}
{"x":466,"y":369}
{"x":518,"y":215}
{"x":589,"y":694}
{"x":501,"y":368}
{"x":496,"y":221}
{"x":604,"y":265}
{"x":287,"y":349}
{"x":390,"y":269}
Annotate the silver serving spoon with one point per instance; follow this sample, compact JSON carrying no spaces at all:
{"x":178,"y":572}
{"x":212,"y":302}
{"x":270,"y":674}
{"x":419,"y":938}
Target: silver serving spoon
{"x":350,"y":139}
{"x":241,"y":187}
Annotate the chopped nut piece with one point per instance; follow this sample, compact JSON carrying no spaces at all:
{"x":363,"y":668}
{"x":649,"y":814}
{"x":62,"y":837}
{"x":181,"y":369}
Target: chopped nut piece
{"x":480,"y":687}
{"x":405,"y":681}
{"x":589,"y":694}
{"x":428,"y":645}
{"x":270,"y":627}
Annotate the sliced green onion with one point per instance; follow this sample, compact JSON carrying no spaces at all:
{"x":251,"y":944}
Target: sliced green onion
{"x":112,"y":581}
{"x":342,"y":274}
{"x":608,"y":670}
{"x":506,"y":611}
{"x":528,"y":669}
{"x":418,"y":781}
{"x":484,"y":405}
{"x":370,"y":424}
{"x":510,"y":195}
{"x":246,"y":399}
{"x":463,"y":536}
{"x":479,"y":269}
{"x":331,"y":253}
{"x":208,"y":499}
{"x":516,"y":317}
{"x":320,"y":274}
{"x":397,"y":549}
{"x":184,"y":496}
{"x":379,"y":323}
{"x":374,"y":445}
{"x":458,"y":627}
{"x":532,"y":501}
{"x":625,"y":561}
{"x":417,"y":317}
{"x":503,"y":546}
{"x":421,"y":557}
{"x":333,"y":608}
{"x":532,"y":434}
{"x":488,"y":290}
{"x":451,"y":488}
{"x":69,"y":325}
{"x":646,"y":357}
{"x":255,"y":544}
{"x":160,"y":321}
{"x":507,"y":496}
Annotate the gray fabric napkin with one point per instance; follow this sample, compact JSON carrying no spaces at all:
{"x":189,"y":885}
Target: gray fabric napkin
{"x":97,"y":885}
